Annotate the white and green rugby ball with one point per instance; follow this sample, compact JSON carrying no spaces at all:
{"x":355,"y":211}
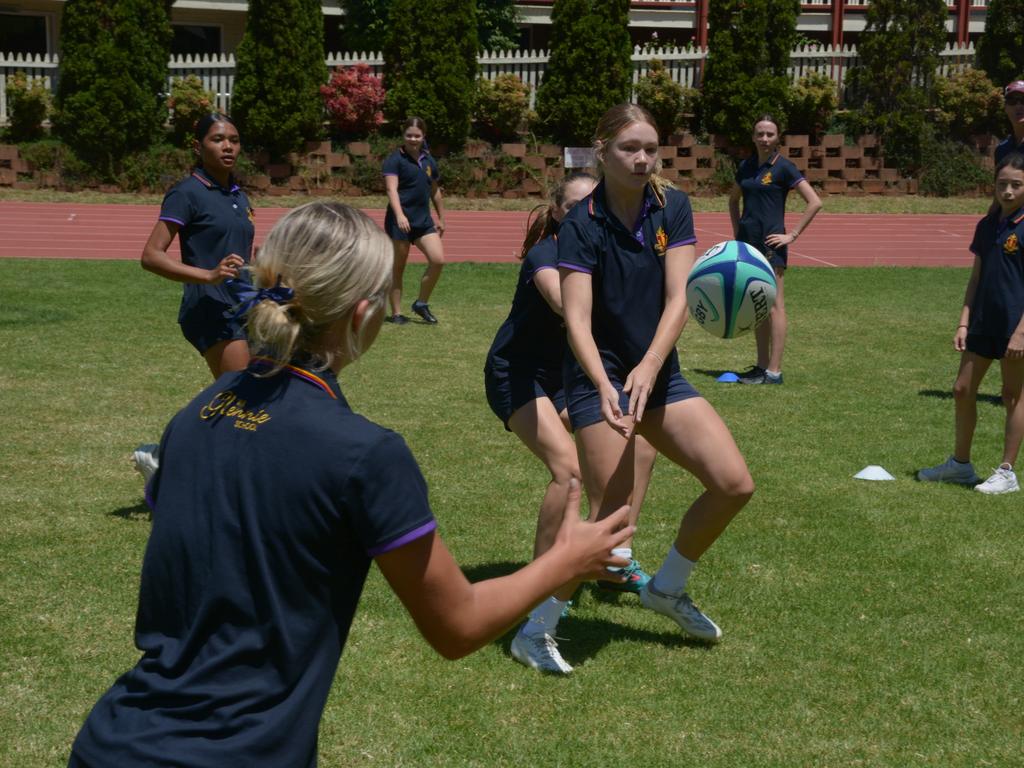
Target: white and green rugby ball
{"x":731,"y":289}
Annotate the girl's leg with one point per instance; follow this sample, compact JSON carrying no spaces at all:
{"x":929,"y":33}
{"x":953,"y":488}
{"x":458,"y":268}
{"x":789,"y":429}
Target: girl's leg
{"x":965,"y":395}
{"x":1013,"y":388}
{"x":434,"y":251}
{"x":777,"y":324}
{"x":227,"y":356}
{"x":691,"y":434}
{"x":401,"y":256}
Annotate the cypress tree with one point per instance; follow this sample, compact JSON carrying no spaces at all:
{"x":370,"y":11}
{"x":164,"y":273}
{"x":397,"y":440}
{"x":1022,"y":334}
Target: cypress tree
{"x":749,"y":42}
{"x":365,"y":25}
{"x":497,"y":25}
{"x":1001,"y":47}
{"x":430,"y":66}
{"x":280,"y":68}
{"x":590,"y":68}
{"x":113,"y":70}
{"x":893,"y":83}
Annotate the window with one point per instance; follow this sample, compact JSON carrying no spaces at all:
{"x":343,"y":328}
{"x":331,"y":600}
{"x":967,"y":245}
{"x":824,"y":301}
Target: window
{"x":22,"y":33}
{"x":195,"y":39}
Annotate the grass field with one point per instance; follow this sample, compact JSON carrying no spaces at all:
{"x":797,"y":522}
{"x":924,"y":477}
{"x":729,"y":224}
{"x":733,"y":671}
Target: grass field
{"x":866,"y":623}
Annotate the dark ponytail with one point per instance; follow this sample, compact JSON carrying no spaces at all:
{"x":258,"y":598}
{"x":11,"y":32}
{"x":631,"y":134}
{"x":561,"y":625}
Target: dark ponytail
{"x":541,"y":223}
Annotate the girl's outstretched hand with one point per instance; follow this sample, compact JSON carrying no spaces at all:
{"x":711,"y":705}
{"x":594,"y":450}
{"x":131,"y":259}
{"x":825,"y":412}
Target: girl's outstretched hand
{"x":587,"y":547}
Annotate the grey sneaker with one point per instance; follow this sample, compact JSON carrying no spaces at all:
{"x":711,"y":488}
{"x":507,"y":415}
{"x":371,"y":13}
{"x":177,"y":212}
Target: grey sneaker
{"x":681,"y":610}
{"x":769,"y":379}
{"x":753,"y":375}
{"x":1003,"y":480}
{"x":950,"y":471}
{"x":539,"y":652}
{"x":145,"y":460}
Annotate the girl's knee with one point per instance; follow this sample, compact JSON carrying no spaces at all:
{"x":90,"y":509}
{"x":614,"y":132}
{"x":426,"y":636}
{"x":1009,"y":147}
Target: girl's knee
{"x":962,"y":391}
{"x":564,"y":470}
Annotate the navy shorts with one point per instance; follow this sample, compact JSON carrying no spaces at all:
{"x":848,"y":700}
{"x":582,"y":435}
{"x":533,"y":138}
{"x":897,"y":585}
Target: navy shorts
{"x":777,"y":257}
{"x":992,"y":347}
{"x":76,"y":762}
{"x":204,"y":324}
{"x":584,"y":402}
{"x":414,"y":233}
{"x":509,"y":390}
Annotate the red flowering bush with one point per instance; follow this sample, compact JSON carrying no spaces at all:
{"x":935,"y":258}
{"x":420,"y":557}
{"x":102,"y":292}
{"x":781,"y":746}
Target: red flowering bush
{"x":354,"y":100}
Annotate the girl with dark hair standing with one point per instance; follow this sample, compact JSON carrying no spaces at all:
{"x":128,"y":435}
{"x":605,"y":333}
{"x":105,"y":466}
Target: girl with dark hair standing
{"x":523,"y":379}
{"x":213,"y":220}
{"x":763,"y":181}
{"x":411,"y":179}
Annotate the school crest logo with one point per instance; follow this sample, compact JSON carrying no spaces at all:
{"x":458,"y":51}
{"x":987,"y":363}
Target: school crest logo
{"x":661,"y":242}
{"x":767,"y":178}
{"x":1011,"y":244}
{"x":426,"y":170}
{"x":252,"y":215}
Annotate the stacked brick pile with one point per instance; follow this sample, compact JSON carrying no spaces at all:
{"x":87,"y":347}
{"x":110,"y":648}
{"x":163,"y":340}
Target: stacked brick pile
{"x":839,"y":168}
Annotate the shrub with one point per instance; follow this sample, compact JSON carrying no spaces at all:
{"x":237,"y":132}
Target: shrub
{"x":660,"y":95}
{"x":365,"y":174}
{"x":189,"y":101}
{"x":30,"y":105}
{"x":968,"y":103}
{"x":1001,"y":46}
{"x":354,"y":100}
{"x":276,"y":100}
{"x":501,"y":107}
{"x":811,"y":104}
{"x":952,"y":169}
{"x":724,"y":175}
{"x":431,"y":64}
{"x":113,"y":65}
{"x":55,"y":155}
{"x":155,"y":169}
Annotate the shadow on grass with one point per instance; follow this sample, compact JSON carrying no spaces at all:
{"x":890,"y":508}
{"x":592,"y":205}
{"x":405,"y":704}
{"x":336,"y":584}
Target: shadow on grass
{"x":942,"y":394}
{"x":712,"y":373}
{"x":139,"y":511}
{"x":581,"y":639}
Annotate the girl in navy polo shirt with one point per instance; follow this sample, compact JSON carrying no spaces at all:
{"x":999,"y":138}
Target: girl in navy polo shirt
{"x":623,"y":255}
{"x":1013,"y":101}
{"x":523,"y":380}
{"x":273,"y":501}
{"x":991,"y":328}
{"x":213,"y":220}
{"x":764,"y":180}
{"x":411,"y":179}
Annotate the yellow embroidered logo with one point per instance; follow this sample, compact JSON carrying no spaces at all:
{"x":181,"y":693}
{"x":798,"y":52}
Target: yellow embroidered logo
{"x":661,"y":241}
{"x":230,"y":406}
{"x":252,"y":215}
{"x":1011,"y":244}
{"x":426,"y":170}
{"x":767,"y":178}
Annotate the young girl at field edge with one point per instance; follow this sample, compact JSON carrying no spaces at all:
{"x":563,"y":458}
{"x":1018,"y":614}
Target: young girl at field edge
{"x":1013,"y":104}
{"x":623,"y":256}
{"x":252,"y":573}
{"x":763,"y":181}
{"x":213,"y":220}
{"x":991,"y":328}
{"x":524,"y":384}
{"x":411,"y":179}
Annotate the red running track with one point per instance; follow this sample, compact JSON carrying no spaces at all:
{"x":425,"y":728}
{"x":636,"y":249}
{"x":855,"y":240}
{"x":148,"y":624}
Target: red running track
{"x":89,"y":231}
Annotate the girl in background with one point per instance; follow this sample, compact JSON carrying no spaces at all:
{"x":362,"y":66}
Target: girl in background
{"x":763,"y":181}
{"x":411,"y":179}
{"x":523,"y":380}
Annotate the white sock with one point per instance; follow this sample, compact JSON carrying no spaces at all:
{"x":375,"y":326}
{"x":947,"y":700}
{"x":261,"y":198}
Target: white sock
{"x":773,"y":374}
{"x":544,"y":618}
{"x":671,"y":578}
{"x":625,"y":553}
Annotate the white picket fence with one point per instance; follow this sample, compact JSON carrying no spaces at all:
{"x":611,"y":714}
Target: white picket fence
{"x":684,"y":64}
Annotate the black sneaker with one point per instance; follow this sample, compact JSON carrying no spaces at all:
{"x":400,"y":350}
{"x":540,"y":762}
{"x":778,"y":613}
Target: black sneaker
{"x":397,"y":319}
{"x":422,"y":309}
{"x":755,"y":374}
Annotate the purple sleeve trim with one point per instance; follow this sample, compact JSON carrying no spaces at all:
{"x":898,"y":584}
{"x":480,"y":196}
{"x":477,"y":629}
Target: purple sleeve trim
{"x":689,"y":241}
{"x":795,"y":183}
{"x":541,"y":268}
{"x":171,"y":218}
{"x":404,"y":539}
{"x":575,"y":268}
{"x":389,"y":173}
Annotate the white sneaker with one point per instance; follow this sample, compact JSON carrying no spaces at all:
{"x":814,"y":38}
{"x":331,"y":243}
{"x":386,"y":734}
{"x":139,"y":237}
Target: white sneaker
{"x":145,"y":460}
{"x":950,"y":471}
{"x":681,"y":610}
{"x":539,"y":652}
{"x":1001,"y":481}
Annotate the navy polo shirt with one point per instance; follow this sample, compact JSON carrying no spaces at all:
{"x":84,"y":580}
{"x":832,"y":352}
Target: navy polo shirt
{"x":213,"y":223}
{"x":999,"y":298}
{"x":415,"y":183}
{"x":765,"y":188}
{"x":533,"y":335}
{"x":1007,"y":146}
{"x":271,"y":499}
{"x":627,"y":267}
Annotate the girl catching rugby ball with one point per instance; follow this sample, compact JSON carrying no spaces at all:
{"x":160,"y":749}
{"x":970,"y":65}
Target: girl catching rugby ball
{"x":991,"y":328}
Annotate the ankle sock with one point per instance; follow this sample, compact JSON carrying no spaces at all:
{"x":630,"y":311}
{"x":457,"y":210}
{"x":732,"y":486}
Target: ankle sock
{"x":674,"y":573}
{"x":544,"y":618}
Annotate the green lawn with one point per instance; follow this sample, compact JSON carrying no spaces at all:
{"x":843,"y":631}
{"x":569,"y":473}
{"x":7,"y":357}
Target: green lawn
{"x":866,"y":623}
